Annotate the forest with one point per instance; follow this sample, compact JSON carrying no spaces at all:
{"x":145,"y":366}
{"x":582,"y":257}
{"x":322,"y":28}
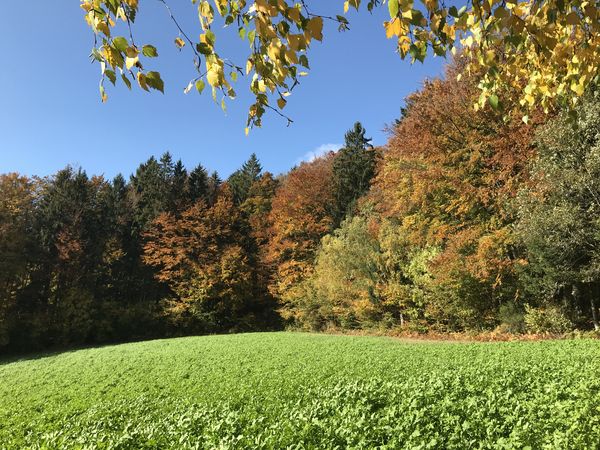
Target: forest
{"x":465,"y":221}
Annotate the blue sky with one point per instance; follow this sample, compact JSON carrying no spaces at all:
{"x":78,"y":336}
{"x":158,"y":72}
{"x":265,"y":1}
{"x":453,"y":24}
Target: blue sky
{"x":51,"y":115}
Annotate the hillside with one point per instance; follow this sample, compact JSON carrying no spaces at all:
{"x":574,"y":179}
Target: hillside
{"x":274,"y":390}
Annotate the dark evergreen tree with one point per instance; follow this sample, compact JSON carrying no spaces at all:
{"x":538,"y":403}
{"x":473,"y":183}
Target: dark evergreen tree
{"x":242,"y":179}
{"x":353,"y":169}
{"x":177,"y":188}
{"x":197,"y":187}
{"x":148,"y":189}
{"x":214,"y":184}
{"x":167,"y":167}
{"x":74,"y":229}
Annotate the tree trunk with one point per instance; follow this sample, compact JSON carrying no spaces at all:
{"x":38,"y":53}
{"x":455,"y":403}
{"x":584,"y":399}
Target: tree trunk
{"x":594,"y":313}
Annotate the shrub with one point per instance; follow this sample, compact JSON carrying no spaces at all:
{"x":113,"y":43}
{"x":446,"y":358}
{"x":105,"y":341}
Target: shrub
{"x":512,"y":319}
{"x":549,"y":319}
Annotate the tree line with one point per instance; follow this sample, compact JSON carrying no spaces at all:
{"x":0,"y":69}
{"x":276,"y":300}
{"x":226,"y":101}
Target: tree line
{"x":463,"y":221}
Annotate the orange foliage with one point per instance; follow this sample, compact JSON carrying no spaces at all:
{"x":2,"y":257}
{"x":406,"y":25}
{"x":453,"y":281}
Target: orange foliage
{"x":201,"y":256}
{"x":448,"y":173}
{"x":301,"y":215}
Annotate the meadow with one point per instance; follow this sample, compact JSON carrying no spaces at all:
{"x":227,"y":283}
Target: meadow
{"x":294,"y":390}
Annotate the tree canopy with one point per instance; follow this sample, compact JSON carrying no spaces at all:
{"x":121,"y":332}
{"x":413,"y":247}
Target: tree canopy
{"x":548,"y":50}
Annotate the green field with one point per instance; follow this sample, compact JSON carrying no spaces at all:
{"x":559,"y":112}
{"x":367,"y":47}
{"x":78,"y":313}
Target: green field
{"x":278,"y":390}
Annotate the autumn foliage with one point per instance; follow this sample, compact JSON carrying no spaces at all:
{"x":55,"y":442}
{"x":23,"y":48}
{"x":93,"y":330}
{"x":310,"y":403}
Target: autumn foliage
{"x":302,"y":213}
{"x":463,"y":221}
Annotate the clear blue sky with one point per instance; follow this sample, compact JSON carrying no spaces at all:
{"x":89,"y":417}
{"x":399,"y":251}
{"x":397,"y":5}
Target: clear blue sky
{"x":51,"y":115}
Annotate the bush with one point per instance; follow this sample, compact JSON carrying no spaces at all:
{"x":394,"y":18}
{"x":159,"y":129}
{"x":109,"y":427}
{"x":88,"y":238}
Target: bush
{"x":512,"y":319}
{"x":550,"y":319}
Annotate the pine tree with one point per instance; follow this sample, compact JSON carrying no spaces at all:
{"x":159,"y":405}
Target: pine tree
{"x":73,"y":230}
{"x":242,"y":179}
{"x":167,"y":167}
{"x":177,"y":188}
{"x":214,"y":184}
{"x":149,"y":191}
{"x":353,"y":169}
{"x":197,"y":187}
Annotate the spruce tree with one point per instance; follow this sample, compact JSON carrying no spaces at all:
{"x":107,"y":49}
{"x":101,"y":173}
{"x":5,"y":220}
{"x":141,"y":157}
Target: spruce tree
{"x":149,"y":191}
{"x":197,"y":185}
{"x":242,"y":179}
{"x":177,"y":200}
{"x":214,"y":183}
{"x":353,"y":169}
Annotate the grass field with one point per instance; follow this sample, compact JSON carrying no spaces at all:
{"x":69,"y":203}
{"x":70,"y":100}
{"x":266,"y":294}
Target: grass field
{"x":291,"y":390}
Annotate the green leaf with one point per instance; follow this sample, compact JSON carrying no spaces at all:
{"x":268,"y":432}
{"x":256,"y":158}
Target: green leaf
{"x":120,"y":43}
{"x":493,"y":101}
{"x":204,"y":48}
{"x":111,"y":75}
{"x":200,"y":86}
{"x":393,"y":6}
{"x":304,"y":61}
{"x":149,"y":51}
{"x":210,"y":37}
{"x":154,"y":81}
{"x":126,"y":81}
{"x":251,"y":36}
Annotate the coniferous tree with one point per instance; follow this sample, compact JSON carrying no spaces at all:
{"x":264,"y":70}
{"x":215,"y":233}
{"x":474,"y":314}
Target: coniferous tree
{"x":242,"y":179}
{"x":197,"y":187}
{"x":214,"y":184}
{"x":167,"y":166}
{"x":146,"y":192}
{"x":177,"y":187}
{"x":72,"y":227}
{"x":353,"y":169}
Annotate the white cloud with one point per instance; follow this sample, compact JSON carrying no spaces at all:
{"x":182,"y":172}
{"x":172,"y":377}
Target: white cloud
{"x":319,"y":151}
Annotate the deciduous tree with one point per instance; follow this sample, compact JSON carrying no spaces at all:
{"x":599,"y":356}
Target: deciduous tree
{"x":548,"y":51}
{"x":302,"y":213}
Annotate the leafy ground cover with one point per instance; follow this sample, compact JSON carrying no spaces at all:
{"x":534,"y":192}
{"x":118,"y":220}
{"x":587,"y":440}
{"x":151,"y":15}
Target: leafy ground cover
{"x":278,"y":390}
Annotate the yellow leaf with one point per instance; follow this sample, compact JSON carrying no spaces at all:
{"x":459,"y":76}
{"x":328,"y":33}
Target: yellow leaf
{"x":315,"y":28}
{"x":281,"y":103}
{"x":261,"y":86}
{"x":103,"y":27}
{"x":578,"y":88}
{"x":294,"y":14}
{"x":141,"y":79}
{"x":180,"y":43}
{"x":212,"y":77}
{"x":130,"y":62}
{"x":393,"y":28}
